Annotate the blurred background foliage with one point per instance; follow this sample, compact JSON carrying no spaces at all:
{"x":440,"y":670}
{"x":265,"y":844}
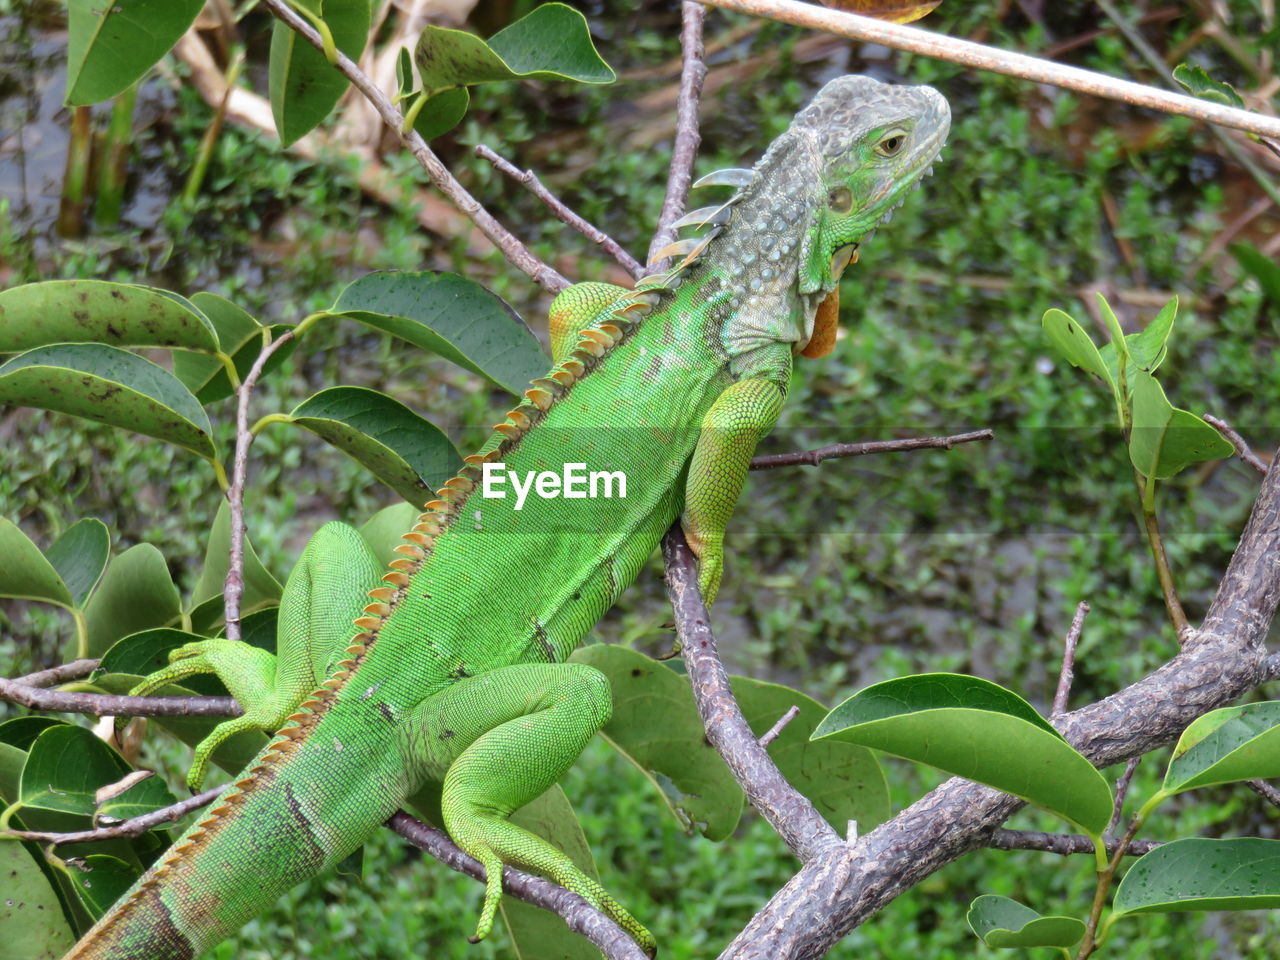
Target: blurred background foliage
{"x":969,"y":560}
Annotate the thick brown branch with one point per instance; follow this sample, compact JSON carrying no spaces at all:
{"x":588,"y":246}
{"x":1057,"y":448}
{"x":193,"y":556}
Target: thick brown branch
{"x":63,"y":673}
{"x":529,"y":180}
{"x":1219,"y":663}
{"x":516,"y":252}
{"x":125,"y":828}
{"x":789,"y":812}
{"x":685,"y":149}
{"x":837,"y":451}
{"x":580,"y":916}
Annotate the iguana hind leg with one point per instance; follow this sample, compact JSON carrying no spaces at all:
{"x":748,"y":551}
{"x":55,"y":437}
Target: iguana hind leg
{"x":499,"y":740}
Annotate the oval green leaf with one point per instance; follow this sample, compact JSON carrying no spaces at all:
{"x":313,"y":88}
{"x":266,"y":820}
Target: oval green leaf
{"x":976,"y":729}
{"x":551,"y":43}
{"x":302,"y":84}
{"x":136,"y":593}
{"x":25,"y":572}
{"x":110,"y":45}
{"x":1076,"y":347}
{"x":1197,"y":82}
{"x":1001,"y":922}
{"x":844,"y":781}
{"x":1147,"y":348}
{"x":21,"y":732}
{"x":96,"y":311}
{"x":452,"y":316}
{"x":1202,"y":874}
{"x":1225,"y":746}
{"x":109,"y":385}
{"x":80,"y":555}
{"x":241,"y":337}
{"x":409,"y":454}
{"x":656,"y":726}
{"x":261,"y":589}
{"x":30,"y":913}
{"x":385,"y":529}
{"x":100,"y":880}
{"x":440,"y":114}
{"x":1164,"y":439}
{"x":65,"y":767}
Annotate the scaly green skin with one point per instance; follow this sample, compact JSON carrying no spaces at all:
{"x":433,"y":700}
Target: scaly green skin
{"x":458,"y":676}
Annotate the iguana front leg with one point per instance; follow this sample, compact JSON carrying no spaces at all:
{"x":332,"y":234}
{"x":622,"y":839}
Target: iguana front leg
{"x":499,"y":740}
{"x":324,"y":593}
{"x":738,"y":418}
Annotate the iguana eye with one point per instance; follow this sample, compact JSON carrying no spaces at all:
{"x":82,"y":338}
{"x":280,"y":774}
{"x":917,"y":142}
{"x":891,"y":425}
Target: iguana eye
{"x":890,"y":146}
{"x":840,"y":199}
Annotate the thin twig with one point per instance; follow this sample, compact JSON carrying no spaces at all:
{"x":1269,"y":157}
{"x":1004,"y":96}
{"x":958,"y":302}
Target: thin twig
{"x":580,"y":916}
{"x":837,"y":451}
{"x":516,"y":252}
{"x":1265,"y":790}
{"x":64,"y":673}
{"x":1122,"y":789}
{"x":529,"y":180}
{"x":980,"y":57}
{"x":1243,"y":450}
{"x":233,"y":586}
{"x":1067,"y":675}
{"x":125,"y":828}
{"x":771,"y":734}
{"x":1062,"y":843}
{"x":1164,"y":573}
{"x":685,"y":149}
{"x":790,"y":813}
{"x":108,"y":705}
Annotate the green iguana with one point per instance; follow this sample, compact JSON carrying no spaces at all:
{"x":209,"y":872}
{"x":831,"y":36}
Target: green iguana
{"x":457,"y":673}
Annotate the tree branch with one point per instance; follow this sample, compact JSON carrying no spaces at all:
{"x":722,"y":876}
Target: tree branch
{"x":837,"y":451}
{"x":788,"y":811}
{"x":125,"y":828}
{"x":516,"y":252}
{"x":109,"y":705}
{"x":580,"y":916}
{"x":1065,"y":844}
{"x":841,"y":887}
{"x":981,"y":57}
{"x":1067,"y":675}
{"x":685,"y":150}
{"x":1243,"y":450}
{"x":529,"y":180}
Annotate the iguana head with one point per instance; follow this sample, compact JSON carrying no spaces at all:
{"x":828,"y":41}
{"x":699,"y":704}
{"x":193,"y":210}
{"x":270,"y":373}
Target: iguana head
{"x":842,"y":167}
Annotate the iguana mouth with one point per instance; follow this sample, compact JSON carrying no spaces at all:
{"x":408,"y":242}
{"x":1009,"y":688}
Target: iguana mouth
{"x":844,"y":255}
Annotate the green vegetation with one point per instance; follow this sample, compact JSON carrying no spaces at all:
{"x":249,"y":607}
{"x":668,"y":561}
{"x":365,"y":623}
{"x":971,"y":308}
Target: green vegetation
{"x":970,"y":560}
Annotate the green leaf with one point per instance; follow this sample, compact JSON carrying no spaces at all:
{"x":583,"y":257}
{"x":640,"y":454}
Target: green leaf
{"x":109,"y":385}
{"x":449,"y":315}
{"x":1202,"y":874}
{"x":145,"y":796}
{"x":25,"y":573}
{"x":1001,"y":922}
{"x":1199,"y":84}
{"x":441,"y":113}
{"x":101,"y":880}
{"x":1164,"y":439}
{"x":844,"y":781}
{"x":551,"y":43}
{"x":1112,"y":323}
{"x":303,"y":85}
{"x":538,"y":934}
{"x":404,"y":73}
{"x":656,"y":726}
{"x":406,"y":452}
{"x":30,"y":913}
{"x":65,"y":767}
{"x":21,"y":732}
{"x":1076,"y":347}
{"x":260,"y":587}
{"x":80,"y":555}
{"x":1147,"y":348}
{"x":975,"y":729}
{"x":110,"y":45}
{"x":95,"y":311}
{"x":385,"y":529}
{"x":1265,"y":270}
{"x":136,"y":592}
{"x":241,"y":336}
{"x":1225,"y":746}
